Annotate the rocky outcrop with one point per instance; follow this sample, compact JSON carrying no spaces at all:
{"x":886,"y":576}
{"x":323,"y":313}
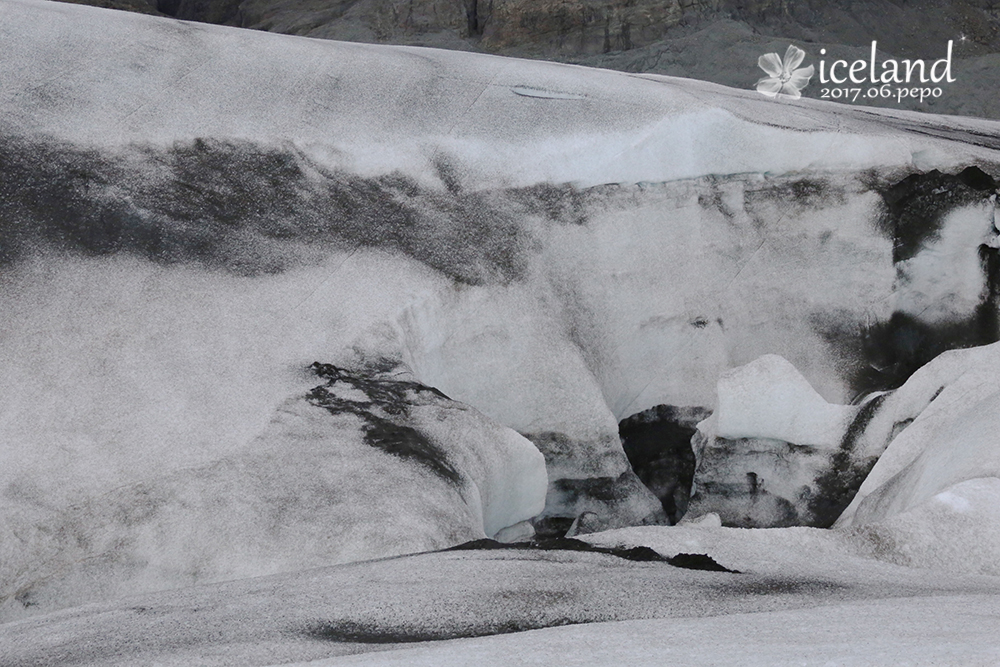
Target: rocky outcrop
{"x":713,"y":40}
{"x":572,"y":27}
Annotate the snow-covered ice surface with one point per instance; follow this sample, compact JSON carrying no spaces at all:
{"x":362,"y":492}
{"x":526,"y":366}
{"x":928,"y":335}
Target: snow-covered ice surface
{"x":769,"y":398}
{"x":803,"y":596}
{"x":939,"y":630}
{"x":316,"y":487}
{"x":190,"y":216}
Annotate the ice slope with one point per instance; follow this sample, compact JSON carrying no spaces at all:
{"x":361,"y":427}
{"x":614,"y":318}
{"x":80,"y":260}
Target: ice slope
{"x":917,"y":631}
{"x":360,"y":467}
{"x":802,"y":596}
{"x":192,"y":215}
{"x":941,"y":430}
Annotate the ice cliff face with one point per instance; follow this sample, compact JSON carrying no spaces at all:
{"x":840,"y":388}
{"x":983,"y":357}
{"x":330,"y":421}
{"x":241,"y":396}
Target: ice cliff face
{"x":775,"y":453}
{"x":192,"y":215}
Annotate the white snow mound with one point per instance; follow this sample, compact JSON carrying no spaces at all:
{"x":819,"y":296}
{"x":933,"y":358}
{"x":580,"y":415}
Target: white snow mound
{"x":769,"y":398}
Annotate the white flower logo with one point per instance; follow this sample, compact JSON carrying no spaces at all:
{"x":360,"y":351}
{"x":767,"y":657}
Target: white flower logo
{"x":784,"y":80}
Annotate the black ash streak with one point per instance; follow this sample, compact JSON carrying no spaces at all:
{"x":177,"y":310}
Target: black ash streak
{"x":387,"y":431}
{"x":373,"y":632}
{"x":246,"y":207}
{"x":915,"y":208}
{"x":883,"y":355}
{"x":837,"y":486}
{"x":637,"y":554}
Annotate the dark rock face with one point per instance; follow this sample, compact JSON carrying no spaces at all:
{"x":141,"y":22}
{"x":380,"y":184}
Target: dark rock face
{"x":584,"y":27}
{"x":715,"y":40}
{"x":223,"y":12}
{"x":657,"y":443}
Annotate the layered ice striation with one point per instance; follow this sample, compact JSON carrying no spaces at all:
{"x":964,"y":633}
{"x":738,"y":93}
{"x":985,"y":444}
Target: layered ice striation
{"x":775,"y":453}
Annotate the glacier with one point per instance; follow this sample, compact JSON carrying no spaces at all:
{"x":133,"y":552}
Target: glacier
{"x":496,"y":263}
{"x":947,"y":437}
{"x":360,"y":467}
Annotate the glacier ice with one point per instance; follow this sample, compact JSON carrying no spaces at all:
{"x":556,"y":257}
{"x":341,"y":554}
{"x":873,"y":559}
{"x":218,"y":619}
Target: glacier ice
{"x":775,"y":453}
{"x":364,"y":465}
{"x":939,"y":431}
{"x":794,"y":585}
{"x":769,"y":398}
{"x":954,"y":530}
{"x":191,"y":215}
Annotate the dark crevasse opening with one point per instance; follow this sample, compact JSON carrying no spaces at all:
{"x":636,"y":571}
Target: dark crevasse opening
{"x":657,"y":443}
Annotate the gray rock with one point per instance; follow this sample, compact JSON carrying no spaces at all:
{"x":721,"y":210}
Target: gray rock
{"x":712,"y":40}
